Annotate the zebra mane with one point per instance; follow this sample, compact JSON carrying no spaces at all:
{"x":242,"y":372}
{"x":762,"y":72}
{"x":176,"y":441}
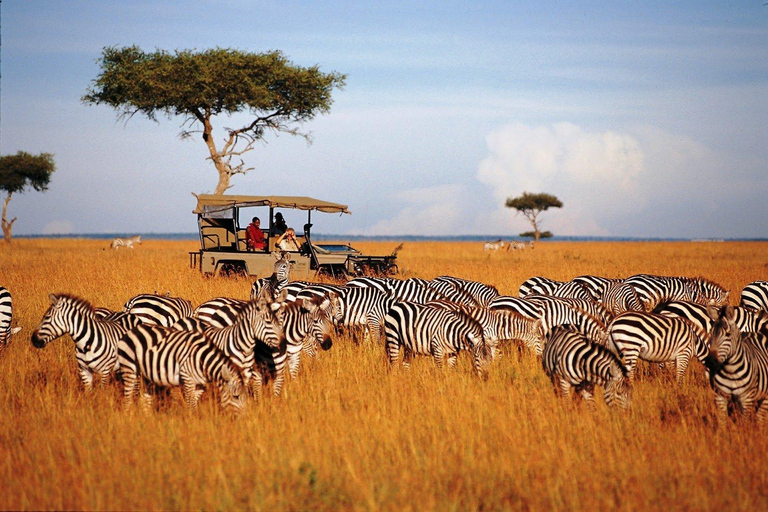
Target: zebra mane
{"x":78,"y":302}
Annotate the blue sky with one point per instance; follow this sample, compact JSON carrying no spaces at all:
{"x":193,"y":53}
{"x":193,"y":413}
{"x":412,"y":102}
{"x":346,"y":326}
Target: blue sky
{"x":646,"y":119}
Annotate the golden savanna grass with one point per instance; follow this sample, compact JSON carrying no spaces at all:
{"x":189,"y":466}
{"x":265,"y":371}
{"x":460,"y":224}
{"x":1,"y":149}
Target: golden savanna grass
{"x":351,"y":435}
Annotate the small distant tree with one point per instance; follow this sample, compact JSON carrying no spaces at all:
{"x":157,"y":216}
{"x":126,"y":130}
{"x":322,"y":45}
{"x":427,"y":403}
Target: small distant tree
{"x":531,"y":205}
{"x":17,"y":173}
{"x":532,"y":234}
{"x":198,"y":86}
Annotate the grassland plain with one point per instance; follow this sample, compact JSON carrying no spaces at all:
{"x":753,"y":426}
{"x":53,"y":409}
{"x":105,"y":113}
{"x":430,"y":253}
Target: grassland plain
{"x":348,"y":434}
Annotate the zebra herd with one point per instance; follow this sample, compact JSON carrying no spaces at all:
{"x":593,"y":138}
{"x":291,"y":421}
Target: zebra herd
{"x":589,"y":332}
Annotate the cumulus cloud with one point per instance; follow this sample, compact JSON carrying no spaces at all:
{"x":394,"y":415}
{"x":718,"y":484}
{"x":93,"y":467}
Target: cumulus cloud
{"x":425,"y":211}
{"x":591,"y":172}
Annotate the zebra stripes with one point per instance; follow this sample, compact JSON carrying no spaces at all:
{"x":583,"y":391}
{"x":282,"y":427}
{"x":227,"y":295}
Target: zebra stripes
{"x":421,"y":329}
{"x":570,"y":360}
{"x":161,"y":310}
{"x":364,"y":308}
{"x":653,"y":290}
{"x":481,"y":293}
{"x":658,"y":338}
{"x":596,"y":285}
{"x":747,"y":320}
{"x":620,"y":297}
{"x":6,"y":318}
{"x":128,"y":243}
{"x":738,"y":366}
{"x":755,"y":295}
{"x":95,"y":339}
{"x":219,"y":311}
{"x":539,"y":286}
{"x":281,"y":274}
{"x":168,"y":358}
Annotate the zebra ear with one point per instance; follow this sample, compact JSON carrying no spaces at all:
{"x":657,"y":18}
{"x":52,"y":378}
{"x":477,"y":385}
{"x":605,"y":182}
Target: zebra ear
{"x":53,"y":298}
{"x":308,"y":304}
{"x":282,"y":296}
{"x":730,"y":313}
{"x":15,"y":330}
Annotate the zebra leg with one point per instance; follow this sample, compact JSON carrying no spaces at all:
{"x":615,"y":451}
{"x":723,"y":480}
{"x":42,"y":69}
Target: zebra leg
{"x":681,"y":365}
{"x":407,"y":356}
{"x":721,"y":403}
{"x":437,"y":353}
{"x":256,"y":384}
{"x":191,"y":394}
{"x":86,"y":377}
{"x":451,"y":358}
{"x":587,"y":394}
{"x":393,"y":352}
{"x":130,"y":389}
{"x":103,"y":379}
{"x":293,"y":365}
{"x":565,"y":390}
{"x":762,"y":411}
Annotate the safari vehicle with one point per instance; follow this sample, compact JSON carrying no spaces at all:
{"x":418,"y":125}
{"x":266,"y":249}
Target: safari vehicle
{"x":223,"y":247}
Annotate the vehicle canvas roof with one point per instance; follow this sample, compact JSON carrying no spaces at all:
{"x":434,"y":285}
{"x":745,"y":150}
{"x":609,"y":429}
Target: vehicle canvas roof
{"x":207,"y":203}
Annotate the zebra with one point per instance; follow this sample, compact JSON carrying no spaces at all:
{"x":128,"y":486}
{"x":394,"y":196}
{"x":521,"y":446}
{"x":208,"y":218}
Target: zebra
{"x":570,"y":360}
{"x":480,"y":292}
{"x":125,"y":242}
{"x":161,"y":310}
{"x":747,"y":320}
{"x":656,"y":338}
{"x":364,"y":308}
{"x":620,"y":297}
{"x":219,"y":311}
{"x":572,"y":290}
{"x":586,"y":315}
{"x":6,"y":318}
{"x":653,"y":290}
{"x":595,"y":285}
{"x":256,"y":322}
{"x":95,"y":339}
{"x":738,"y":365}
{"x":305,"y":321}
{"x":515,"y":246}
{"x":526,"y":307}
{"x":494,"y":246}
{"x":501,"y":325}
{"x":167,"y":358}
{"x":281,"y":274}
{"x":422,"y":329}
{"x":539,"y":286}
{"x":755,"y":295}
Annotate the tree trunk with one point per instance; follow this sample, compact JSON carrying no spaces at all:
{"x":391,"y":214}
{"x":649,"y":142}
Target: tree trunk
{"x":7,"y":226}
{"x":221,"y":166}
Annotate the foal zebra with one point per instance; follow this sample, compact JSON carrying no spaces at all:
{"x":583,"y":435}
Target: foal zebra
{"x":125,"y":242}
{"x":6,"y":316}
{"x":281,"y":274}
{"x":656,"y":338}
{"x":168,"y":358}
{"x":755,"y":295}
{"x":161,"y":310}
{"x":738,"y":365}
{"x":422,"y":329}
{"x":95,"y":339}
{"x":571,"y":360}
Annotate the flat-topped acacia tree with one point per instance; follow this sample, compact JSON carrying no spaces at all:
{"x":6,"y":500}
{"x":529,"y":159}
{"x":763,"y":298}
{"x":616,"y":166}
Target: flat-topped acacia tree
{"x":279,"y":95}
{"x":19,"y":172}
{"x":531,"y":205}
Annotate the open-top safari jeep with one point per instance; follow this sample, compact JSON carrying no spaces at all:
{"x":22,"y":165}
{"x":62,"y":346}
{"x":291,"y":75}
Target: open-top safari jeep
{"x":223,"y":247}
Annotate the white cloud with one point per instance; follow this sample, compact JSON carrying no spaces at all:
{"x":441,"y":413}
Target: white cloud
{"x":426,"y":211}
{"x":589,"y":171}
{"x":59,"y":227}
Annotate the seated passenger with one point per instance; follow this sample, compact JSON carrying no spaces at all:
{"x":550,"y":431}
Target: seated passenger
{"x":254,"y":236}
{"x":287,"y":241}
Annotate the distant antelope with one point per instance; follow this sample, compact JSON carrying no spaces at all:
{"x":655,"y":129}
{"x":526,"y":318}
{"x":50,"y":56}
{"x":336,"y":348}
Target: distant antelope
{"x":125,"y":242}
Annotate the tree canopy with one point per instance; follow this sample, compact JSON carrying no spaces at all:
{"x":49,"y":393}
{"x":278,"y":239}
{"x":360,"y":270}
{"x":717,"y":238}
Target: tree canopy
{"x":531,"y":205}
{"x":199,"y":85}
{"x":17,"y":173}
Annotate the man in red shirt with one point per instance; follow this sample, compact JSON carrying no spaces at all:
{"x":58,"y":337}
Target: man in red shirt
{"x":254,"y":236}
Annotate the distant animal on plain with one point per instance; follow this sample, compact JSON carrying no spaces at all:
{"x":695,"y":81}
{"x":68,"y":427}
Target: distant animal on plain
{"x":520,"y":245}
{"x":494,"y":246}
{"x":125,"y":242}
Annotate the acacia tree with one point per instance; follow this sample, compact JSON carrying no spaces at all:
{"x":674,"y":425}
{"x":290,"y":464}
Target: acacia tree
{"x":279,"y":95}
{"x":531,"y":205}
{"x":17,"y":173}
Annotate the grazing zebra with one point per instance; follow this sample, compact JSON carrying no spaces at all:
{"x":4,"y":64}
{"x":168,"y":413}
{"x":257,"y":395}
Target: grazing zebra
{"x":125,"y":242}
{"x":167,"y":358}
{"x":738,"y":366}
{"x":422,"y":329}
{"x":656,"y":338}
{"x":481,"y":293}
{"x":620,"y":297}
{"x":561,"y":312}
{"x":494,"y":246}
{"x":570,"y":360}
{"x":95,"y":338}
{"x":755,"y":295}
{"x":364,"y":308}
{"x":405,"y":290}
{"x":281,"y":274}
{"x":747,"y":320}
{"x":516,"y":246}
{"x":539,"y":286}
{"x":305,"y":322}
{"x":572,"y":290}
{"x":501,"y":325}
{"x":596,"y":285}
{"x":6,"y":316}
{"x":159,"y":310}
{"x":653,"y":290}
{"x":256,"y":322}
{"x":526,"y":307}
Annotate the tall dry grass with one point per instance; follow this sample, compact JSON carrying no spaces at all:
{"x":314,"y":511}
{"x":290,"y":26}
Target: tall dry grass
{"x":348,"y":434}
